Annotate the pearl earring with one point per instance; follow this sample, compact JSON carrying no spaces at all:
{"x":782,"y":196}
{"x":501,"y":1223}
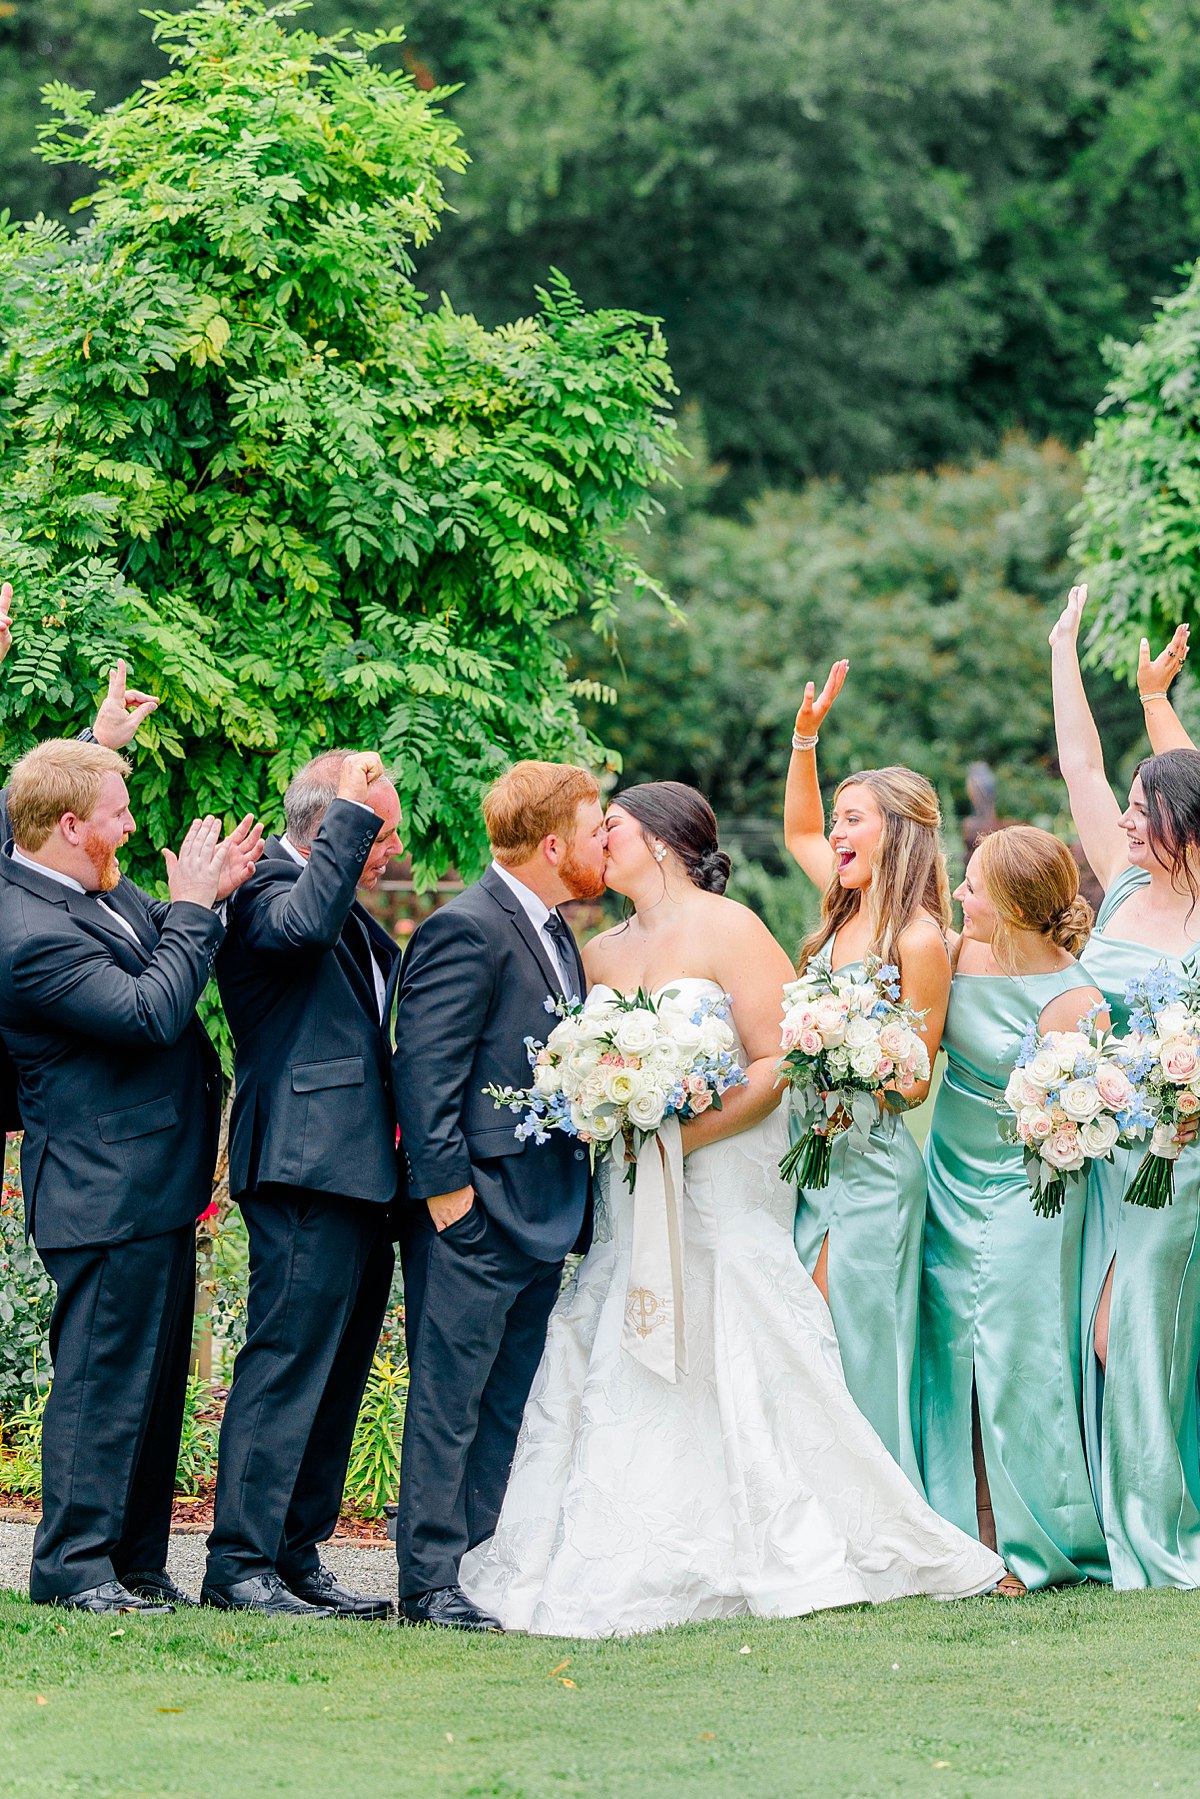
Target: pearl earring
{"x":659,"y":852}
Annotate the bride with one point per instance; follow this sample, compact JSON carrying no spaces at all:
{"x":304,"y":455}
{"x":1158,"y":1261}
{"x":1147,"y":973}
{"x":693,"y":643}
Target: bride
{"x":740,"y":1477}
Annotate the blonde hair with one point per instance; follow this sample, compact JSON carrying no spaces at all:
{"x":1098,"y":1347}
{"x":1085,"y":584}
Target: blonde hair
{"x":60,"y":775}
{"x":532,"y":801}
{"x":1033,"y":883}
{"x":908,"y":870}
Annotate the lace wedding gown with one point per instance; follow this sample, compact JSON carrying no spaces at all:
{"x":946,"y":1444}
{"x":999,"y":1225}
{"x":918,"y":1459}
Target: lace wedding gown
{"x":750,"y":1484}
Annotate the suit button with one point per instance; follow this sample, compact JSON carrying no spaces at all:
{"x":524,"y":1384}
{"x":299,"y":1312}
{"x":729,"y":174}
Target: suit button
{"x":579,"y":1155}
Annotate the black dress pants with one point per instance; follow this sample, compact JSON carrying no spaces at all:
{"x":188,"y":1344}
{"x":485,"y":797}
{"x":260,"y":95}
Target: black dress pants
{"x":475,"y":1311}
{"x":120,"y":1341}
{"x":320,"y":1273}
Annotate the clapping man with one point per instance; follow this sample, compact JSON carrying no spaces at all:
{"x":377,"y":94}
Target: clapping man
{"x":307,"y":979}
{"x":119,"y":1092}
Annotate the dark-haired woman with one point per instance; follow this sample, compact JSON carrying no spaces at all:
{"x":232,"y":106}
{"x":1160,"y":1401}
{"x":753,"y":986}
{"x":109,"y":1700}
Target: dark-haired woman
{"x":1141,"y":1268}
{"x":690,"y":1449}
{"x":884,"y":891}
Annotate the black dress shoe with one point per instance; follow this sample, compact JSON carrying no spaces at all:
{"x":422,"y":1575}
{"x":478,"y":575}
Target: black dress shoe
{"x":324,"y":1588}
{"x":448,"y":1606}
{"x":156,"y":1584}
{"x":112,"y":1597}
{"x":264,"y":1593}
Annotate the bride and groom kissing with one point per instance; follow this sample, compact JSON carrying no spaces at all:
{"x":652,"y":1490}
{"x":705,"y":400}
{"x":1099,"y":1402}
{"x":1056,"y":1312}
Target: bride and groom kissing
{"x":552,"y":1481}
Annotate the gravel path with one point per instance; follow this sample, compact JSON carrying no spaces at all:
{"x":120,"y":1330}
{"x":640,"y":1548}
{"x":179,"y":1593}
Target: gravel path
{"x":365,"y":1568}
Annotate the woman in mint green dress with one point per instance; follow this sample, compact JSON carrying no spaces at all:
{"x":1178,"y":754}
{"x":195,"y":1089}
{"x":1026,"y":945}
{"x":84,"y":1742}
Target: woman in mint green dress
{"x":1001,"y":1369}
{"x":1141,"y":1268}
{"x":885,"y":892}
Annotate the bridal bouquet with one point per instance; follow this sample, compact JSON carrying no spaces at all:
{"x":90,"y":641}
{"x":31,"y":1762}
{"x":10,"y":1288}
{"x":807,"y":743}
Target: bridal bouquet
{"x":1068,"y":1102}
{"x":620,"y":1066}
{"x":846,"y":1038}
{"x":1161,"y":1055}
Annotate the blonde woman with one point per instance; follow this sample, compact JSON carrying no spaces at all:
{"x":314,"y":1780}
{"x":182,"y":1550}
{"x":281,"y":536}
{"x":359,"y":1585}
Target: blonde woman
{"x":1002,"y":1434}
{"x":885,"y":892}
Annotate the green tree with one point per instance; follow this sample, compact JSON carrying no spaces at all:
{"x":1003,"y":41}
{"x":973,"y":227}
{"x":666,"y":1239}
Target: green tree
{"x":238,"y":450}
{"x":1139,"y":535}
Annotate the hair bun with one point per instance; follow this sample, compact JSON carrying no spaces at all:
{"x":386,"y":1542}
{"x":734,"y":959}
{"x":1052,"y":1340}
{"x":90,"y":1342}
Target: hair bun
{"x":710,"y":872}
{"x":1073,"y":926}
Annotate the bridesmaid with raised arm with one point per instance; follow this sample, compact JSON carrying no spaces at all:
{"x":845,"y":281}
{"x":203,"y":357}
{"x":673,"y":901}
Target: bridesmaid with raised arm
{"x":1141,"y":1268}
{"x":1001,"y":1376}
{"x":885,"y":892}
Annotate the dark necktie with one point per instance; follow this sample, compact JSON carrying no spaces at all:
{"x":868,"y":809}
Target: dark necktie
{"x":560,"y":937}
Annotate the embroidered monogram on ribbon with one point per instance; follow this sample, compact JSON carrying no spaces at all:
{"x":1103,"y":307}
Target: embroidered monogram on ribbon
{"x":654,"y":1325}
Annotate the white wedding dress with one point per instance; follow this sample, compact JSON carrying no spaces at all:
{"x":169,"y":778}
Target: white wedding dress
{"x":750,"y":1484}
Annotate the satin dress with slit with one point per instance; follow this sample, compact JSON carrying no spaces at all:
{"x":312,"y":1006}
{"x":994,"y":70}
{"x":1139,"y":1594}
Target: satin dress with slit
{"x":1142,"y":1415}
{"x":1000,"y":1306}
{"x":745,"y":1481}
{"x":873,"y":1213}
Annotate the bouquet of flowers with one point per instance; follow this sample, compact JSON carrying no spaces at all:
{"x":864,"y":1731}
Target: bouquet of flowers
{"x":1161,"y":1055}
{"x":1068,"y":1102}
{"x":618,"y":1067}
{"x":846,"y":1038}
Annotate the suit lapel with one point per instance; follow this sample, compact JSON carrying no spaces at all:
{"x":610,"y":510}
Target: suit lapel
{"x":523,"y":924}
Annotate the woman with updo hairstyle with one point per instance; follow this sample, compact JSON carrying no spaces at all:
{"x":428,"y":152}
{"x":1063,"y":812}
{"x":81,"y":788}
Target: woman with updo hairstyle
{"x":1000,"y":1320}
{"x":1141,"y":1267}
{"x":690,"y":1449}
{"x":884,"y":892}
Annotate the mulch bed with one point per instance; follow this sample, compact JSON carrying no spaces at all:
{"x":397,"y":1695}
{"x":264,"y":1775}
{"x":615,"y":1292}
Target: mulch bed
{"x":194,"y":1517}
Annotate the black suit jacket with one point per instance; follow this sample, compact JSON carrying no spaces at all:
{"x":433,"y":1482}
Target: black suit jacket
{"x":120,"y":1088}
{"x":312,"y":1102}
{"x":474,"y":986}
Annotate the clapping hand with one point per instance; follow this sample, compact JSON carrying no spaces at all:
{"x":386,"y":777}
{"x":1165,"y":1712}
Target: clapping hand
{"x":242,"y":847}
{"x":195,"y":873}
{"x":121,"y":711}
{"x":1154,"y":677}
{"x":1066,"y":630}
{"x":814,"y":710}
{"x":5,"y":619}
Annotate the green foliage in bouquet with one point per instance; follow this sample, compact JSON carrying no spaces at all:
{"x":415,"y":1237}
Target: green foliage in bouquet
{"x":1139,"y":536}
{"x":236,"y":448}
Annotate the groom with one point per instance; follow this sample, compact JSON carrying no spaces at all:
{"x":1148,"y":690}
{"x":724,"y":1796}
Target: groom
{"x":491,"y":1217}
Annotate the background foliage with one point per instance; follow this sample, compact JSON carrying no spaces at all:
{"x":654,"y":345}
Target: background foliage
{"x":234,"y":447}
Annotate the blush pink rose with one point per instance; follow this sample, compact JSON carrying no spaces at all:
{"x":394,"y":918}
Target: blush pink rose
{"x":810,"y":1043}
{"x":1114,"y":1087}
{"x":1180,"y":1061}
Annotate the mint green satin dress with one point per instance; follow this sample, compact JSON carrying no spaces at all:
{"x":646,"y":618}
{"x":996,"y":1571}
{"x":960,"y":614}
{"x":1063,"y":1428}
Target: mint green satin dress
{"x":1142,"y":1416}
{"x":873,"y":1212}
{"x":1000,"y":1305}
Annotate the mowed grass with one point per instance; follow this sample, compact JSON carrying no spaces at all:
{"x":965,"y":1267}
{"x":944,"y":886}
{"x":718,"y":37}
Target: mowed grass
{"x":1075,"y":1694}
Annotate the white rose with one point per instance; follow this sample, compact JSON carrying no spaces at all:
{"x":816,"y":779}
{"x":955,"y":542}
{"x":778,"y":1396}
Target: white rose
{"x":635,"y":1032}
{"x":839,"y":1064}
{"x":620,"y":1085}
{"x":1080,"y":1101}
{"x":646,"y":1109}
{"x":715,"y":1036}
{"x":864,"y":1059}
{"x":831,"y":1022}
{"x":1099,"y":1135}
{"x":1014,"y":1092}
{"x":1173,"y":1020}
{"x":1162,"y":1142}
{"x":684,"y":1035}
{"x":1043,"y":1070}
{"x":605,"y":1123}
{"x":859,"y":1032}
{"x":862,"y":996}
{"x":546,"y":1079}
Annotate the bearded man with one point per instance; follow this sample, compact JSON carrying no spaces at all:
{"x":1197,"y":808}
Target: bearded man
{"x":490,"y":1217}
{"x":120,"y":1095}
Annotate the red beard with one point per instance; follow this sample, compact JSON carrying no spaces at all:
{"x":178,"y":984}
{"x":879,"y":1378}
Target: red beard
{"x":583,"y":883}
{"x":103,"y":860}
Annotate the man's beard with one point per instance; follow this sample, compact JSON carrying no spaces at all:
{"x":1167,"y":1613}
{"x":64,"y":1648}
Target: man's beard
{"x":103,"y":860}
{"x":582,"y":883}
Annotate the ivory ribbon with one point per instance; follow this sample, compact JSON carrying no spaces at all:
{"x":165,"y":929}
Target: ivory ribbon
{"x":653,"y":1330}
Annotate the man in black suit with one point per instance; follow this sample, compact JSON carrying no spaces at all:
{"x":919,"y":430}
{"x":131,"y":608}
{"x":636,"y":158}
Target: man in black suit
{"x":490,"y":1217}
{"x":119,"y":1092}
{"x":307,"y":978}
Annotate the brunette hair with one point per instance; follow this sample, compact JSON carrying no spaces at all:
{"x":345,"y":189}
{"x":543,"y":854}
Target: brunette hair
{"x":1032,"y":881}
{"x":908,"y":872}
{"x":58,"y":776}
{"x":682,"y":818}
{"x":1171,"y":784}
{"x":534,"y":800}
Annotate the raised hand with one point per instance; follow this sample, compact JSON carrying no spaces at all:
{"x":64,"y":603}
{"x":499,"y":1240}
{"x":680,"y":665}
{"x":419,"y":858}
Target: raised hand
{"x":1154,"y":677}
{"x":1066,"y":630}
{"x":357,"y":773}
{"x":195,"y":873}
{"x":121,"y":712}
{"x":814,"y":707}
{"x":242,"y":847}
{"x":5,"y":619}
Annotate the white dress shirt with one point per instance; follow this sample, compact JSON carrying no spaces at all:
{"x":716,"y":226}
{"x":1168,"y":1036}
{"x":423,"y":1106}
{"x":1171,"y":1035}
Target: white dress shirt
{"x":56,"y":874}
{"x":376,"y":971}
{"x":538,"y":913}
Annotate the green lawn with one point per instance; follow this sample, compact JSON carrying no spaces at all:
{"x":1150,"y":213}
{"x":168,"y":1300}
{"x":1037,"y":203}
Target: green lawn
{"x":1074,"y":1694}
